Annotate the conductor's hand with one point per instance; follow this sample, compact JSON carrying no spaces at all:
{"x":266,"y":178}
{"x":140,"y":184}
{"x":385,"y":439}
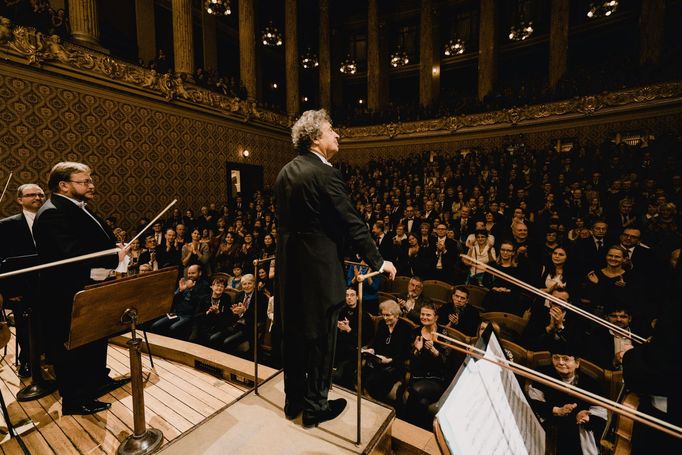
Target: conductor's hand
{"x":390,"y":269}
{"x":122,"y":251}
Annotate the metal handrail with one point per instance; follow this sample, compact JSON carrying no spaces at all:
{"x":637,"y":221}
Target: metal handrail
{"x":256,"y":263}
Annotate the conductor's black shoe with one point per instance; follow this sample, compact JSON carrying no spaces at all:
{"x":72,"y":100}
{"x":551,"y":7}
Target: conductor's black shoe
{"x":110,"y":385}
{"x":292,"y":409}
{"x":336,"y":407}
{"x":88,"y":407}
{"x":24,"y":370}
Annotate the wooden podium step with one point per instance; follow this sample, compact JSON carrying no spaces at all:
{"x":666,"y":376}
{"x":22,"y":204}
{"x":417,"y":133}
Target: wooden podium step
{"x":255,"y":424}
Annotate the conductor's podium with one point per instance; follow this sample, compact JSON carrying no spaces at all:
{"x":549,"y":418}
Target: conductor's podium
{"x":255,"y":424}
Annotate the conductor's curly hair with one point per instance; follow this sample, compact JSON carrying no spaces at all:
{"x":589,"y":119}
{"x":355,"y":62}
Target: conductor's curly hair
{"x":307,"y":129}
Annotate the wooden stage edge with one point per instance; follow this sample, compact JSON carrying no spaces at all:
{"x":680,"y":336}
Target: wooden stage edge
{"x":189,"y":390}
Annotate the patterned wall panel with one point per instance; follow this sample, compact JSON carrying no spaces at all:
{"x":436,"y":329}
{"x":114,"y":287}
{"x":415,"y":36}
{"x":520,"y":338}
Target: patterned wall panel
{"x":143,"y":155}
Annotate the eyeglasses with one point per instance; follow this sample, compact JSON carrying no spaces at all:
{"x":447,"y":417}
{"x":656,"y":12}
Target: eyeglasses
{"x":33,"y":195}
{"x":86,"y":182}
{"x":562,"y":358}
{"x":506,"y":250}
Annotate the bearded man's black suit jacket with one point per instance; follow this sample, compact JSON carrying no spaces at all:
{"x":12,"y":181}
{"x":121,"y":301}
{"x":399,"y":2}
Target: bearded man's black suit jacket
{"x":63,"y":230}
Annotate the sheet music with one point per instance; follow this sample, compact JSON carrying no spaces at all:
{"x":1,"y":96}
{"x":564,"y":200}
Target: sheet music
{"x":485,"y":411}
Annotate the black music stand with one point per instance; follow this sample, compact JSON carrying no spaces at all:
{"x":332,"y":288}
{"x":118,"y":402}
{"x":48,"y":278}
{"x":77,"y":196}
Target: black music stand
{"x":109,"y":308}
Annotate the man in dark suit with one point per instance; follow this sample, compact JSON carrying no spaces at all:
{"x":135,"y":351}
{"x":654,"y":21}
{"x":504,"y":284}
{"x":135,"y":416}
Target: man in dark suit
{"x":590,"y":253}
{"x":316,"y":217}
{"x":16,"y":233}
{"x":383,"y":242}
{"x":65,"y":228}
{"x":410,"y":222}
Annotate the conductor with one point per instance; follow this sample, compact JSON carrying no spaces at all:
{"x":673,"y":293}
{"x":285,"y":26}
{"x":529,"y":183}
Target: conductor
{"x":316,"y":218}
{"x":65,"y":227}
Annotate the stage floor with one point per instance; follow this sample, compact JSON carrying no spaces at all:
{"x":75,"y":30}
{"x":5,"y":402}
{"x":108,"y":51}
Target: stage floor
{"x":255,"y":424}
{"x":177,"y":397}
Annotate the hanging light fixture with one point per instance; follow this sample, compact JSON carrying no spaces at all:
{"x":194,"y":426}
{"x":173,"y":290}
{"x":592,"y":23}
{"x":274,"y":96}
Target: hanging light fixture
{"x":218,"y":7}
{"x":399,"y":58}
{"x":603,"y":8}
{"x":309,"y":60}
{"x":454,"y":47}
{"x":348,"y":65}
{"x":521,"y":31}
{"x":271,"y":36}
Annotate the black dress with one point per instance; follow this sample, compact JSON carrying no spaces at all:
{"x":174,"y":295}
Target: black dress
{"x":380,"y":377}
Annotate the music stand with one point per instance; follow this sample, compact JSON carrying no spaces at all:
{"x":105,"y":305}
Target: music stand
{"x":109,"y":308}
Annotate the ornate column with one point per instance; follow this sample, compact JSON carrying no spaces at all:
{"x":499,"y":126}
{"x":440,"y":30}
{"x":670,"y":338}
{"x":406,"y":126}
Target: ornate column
{"x":145,"y":23}
{"x":85,"y":23}
{"x":429,"y":61}
{"x":375,"y":71}
{"x":558,"y":41}
{"x":325,"y":57}
{"x":183,"y":42}
{"x":247,"y":48}
{"x":291,"y":57}
{"x":651,"y":24}
{"x":208,"y":27}
{"x":487,"y":52}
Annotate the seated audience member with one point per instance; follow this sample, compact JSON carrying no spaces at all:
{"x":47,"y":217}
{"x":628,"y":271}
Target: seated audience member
{"x":578,"y":425}
{"x":213,"y":313}
{"x":640,"y":256}
{"x":227,"y":254}
{"x":481,"y":251}
{"x":264,"y":282}
{"x":421,"y":260}
{"x":458,"y":314}
{"x":590,"y":252}
{"x":235,"y":281}
{"x":239,"y":325}
{"x":557,"y":273}
{"x":447,"y":256}
{"x":611,"y":284}
{"x":479,"y":226}
{"x":504,"y":296}
{"x":195,"y":252}
{"x":370,"y":286}
{"x":605,"y":347}
{"x":168,"y":253}
{"x":134,"y":254}
{"x":345,"y":361}
{"x":549,"y":322}
{"x":412,"y":301}
{"x":388,"y":352}
{"x":148,"y":254}
{"x":427,"y":368}
{"x":188,"y":302}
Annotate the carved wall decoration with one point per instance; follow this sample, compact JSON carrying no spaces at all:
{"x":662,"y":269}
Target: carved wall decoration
{"x":39,"y":50}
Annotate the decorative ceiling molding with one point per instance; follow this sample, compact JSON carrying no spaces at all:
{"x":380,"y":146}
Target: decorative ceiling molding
{"x":26,"y":45}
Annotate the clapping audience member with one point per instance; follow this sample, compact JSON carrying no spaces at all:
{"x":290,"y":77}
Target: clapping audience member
{"x":427,"y":368}
{"x":345,"y":361}
{"x":458,"y":314}
{"x":213,"y":315}
{"x":195,"y":252}
{"x":578,"y":424}
{"x":412,"y":301}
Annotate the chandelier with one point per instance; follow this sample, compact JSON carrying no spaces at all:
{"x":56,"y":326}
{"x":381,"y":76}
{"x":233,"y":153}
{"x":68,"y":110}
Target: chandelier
{"x":309,"y":60}
{"x":218,"y":7}
{"x":399,"y":58}
{"x":603,"y":8}
{"x":271,"y":36}
{"x":454,"y":47}
{"x":522,"y":31}
{"x":348,"y":65}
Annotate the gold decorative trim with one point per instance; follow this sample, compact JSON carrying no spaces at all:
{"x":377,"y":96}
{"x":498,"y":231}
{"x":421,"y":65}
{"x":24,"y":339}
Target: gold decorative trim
{"x":583,"y":107}
{"x":39,"y":49}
